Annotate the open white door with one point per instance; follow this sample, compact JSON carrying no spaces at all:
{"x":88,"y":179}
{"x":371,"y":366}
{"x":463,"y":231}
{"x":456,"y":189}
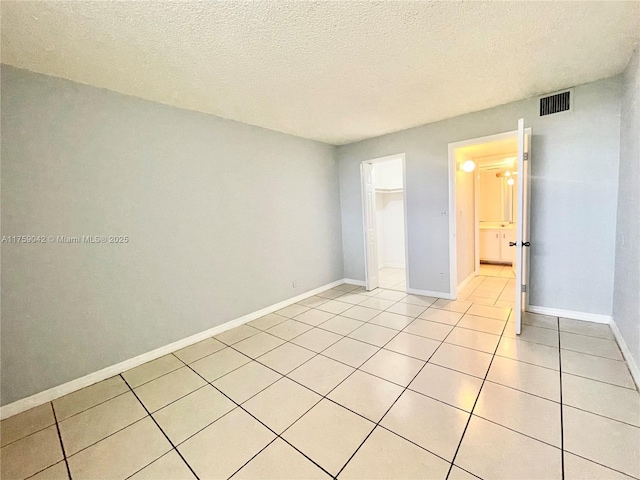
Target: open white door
{"x":522,"y":224}
{"x":370,"y":234}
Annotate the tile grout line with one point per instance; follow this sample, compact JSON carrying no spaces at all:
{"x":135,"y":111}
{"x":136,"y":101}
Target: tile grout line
{"x":396,"y":400}
{"x":323,"y":397}
{"x":64,"y":455}
{"x":561,"y":402}
{"x":160,"y":428}
{"x":238,"y":405}
{"x":475,"y":403}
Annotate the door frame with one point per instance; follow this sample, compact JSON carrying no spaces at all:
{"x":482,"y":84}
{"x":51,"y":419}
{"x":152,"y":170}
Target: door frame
{"x":397,"y":156}
{"x":453,"y":249}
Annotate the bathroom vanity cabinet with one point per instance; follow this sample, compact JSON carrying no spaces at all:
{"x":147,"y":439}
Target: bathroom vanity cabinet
{"x":494,"y":245}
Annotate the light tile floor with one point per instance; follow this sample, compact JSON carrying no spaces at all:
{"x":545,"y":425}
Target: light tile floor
{"x":354,"y":384}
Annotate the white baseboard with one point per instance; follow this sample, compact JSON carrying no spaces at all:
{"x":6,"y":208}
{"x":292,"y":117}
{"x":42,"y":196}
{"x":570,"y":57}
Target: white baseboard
{"x":631,"y":362}
{"x":430,"y":293}
{"x":466,"y":280}
{"x":556,"y":312}
{"x":56,"y":392}
{"x":351,"y":281}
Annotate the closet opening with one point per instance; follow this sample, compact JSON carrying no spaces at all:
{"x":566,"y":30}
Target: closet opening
{"x":384,"y":214}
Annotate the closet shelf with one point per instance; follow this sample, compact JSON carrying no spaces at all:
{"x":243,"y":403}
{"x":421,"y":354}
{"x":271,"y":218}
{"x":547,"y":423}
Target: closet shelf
{"x":389,"y":190}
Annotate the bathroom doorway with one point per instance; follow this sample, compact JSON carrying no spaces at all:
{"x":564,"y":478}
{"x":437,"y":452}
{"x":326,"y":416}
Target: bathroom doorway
{"x":489,"y":185}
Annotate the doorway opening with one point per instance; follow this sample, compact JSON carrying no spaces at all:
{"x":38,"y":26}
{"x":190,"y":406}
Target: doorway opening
{"x":384,"y":214}
{"x":489,"y":205}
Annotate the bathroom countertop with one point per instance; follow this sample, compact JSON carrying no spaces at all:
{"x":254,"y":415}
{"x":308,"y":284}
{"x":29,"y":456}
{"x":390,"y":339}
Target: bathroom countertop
{"x":497,"y":226}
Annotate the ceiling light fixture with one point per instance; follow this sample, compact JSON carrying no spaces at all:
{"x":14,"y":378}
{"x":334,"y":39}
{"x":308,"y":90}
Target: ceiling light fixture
{"x":468,"y":166}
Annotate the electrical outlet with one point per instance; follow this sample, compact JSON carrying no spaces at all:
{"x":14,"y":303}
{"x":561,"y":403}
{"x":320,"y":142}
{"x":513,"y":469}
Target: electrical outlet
{"x":294,"y":283}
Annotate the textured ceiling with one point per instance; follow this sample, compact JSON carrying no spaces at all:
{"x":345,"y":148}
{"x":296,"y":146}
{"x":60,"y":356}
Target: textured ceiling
{"x":332,"y":71}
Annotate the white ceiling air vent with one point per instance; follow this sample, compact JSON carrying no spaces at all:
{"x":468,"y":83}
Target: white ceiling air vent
{"x":556,"y":103}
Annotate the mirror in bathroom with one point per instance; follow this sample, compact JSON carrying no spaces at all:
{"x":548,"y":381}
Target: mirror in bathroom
{"x":496,"y":193}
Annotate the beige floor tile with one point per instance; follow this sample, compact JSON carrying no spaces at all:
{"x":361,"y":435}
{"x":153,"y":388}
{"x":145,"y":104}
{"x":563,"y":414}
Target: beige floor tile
{"x":313,"y":302}
{"x":321,"y":374}
{"x":170,"y":467}
{"x":367,"y":395}
{"x":528,"y":352}
{"x":505,"y":304}
{"x":391,"y":320}
{"x":618,"y":403}
{"x":519,"y":411}
{"x":538,"y":320}
{"x":377,"y":303}
{"x":289,"y":330}
{"x":237,"y":334}
{"x":385,"y":455}
{"x":349,"y":351}
{"x":577,"y":468}
{"x":480,"y":300}
{"x":243,"y":383}
{"x":91,"y":396}
{"x":393,"y":366}
{"x":329,"y":434}
{"x":603,"y":369}
{"x":220,"y":363}
{"x":458,"y":306}
{"x":54,"y":472}
{"x":199,"y":350}
{"x":373,"y":334}
{"x":392,"y":295}
{"x":286,"y":358}
{"x":610,"y":443}
{"x":331,"y":294}
{"x":346,"y":287}
{"x":441,"y":316}
{"x":316,"y":339}
{"x":293,"y":310}
{"x":485,"y":342}
{"x":341,"y":325}
{"x":122,"y":454}
{"x":413,"y":345}
{"x":427,"y":422}
{"x":586,"y":328}
{"x":258,"y":344}
{"x":31,"y":454}
{"x":419,"y":300}
{"x":281,"y":404}
{"x":280,"y":461}
{"x":334,"y":306}
{"x":91,"y":426}
{"x":273,"y":319}
{"x":454,"y":388}
{"x":407,"y":309}
{"x":352,"y":298}
{"x":192,"y":413}
{"x":515,"y":456}
{"x":482,"y":324}
{"x":25,"y":423}
{"x":460,"y":474}
{"x":168,"y":388}
{"x":361,"y":313}
{"x":497,"y":313}
{"x":526,"y":377}
{"x":147,"y":372}
{"x":543,"y":336}
{"x":465,"y":360}
{"x":429,"y":329}
{"x":223,"y":447}
{"x":314,"y":317}
{"x":600,"y":347}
